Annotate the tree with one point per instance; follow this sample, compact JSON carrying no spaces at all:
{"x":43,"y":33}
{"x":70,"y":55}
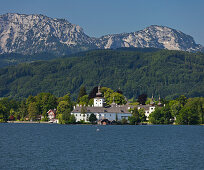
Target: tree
{"x":166,"y":112}
{"x":161,"y":115}
{"x":192,"y":112}
{"x":92,"y":118}
{"x":182,"y":99}
{"x":156,"y":117}
{"x":116,"y":117}
{"x":30,"y":99}
{"x":124,"y":121}
{"x":65,"y":98}
{"x":142,"y":99}
{"x":33,"y":110}
{"x":66,"y":117}
{"x":3,"y":116}
{"x":175,"y":107}
{"x":93,"y":92}
{"x":132,"y":120}
{"x":118,"y":98}
{"x":107,"y":93}
{"x":72,"y":119}
{"x":64,"y":107}
{"x":82,"y":92}
{"x":110,"y":95}
{"x":84,"y":100}
{"x":137,"y":116}
{"x":91,"y":102}
{"x":142,"y":115}
{"x":45,"y":102}
{"x":23,"y":110}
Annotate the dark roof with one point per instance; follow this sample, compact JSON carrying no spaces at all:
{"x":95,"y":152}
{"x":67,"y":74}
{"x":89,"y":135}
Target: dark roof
{"x":112,"y":109}
{"x":146,"y":107}
{"x":99,"y":94}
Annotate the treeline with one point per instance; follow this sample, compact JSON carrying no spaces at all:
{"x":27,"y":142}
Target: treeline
{"x":11,"y":59}
{"x":161,"y":72}
{"x":181,"y":111}
{"x":36,"y":107}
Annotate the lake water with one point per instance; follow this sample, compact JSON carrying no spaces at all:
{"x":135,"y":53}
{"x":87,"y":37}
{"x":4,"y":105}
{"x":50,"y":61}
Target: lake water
{"x":53,"y":146}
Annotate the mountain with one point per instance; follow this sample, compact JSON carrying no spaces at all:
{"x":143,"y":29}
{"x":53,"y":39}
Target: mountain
{"x":29,"y":34}
{"x":153,"y":36}
{"x":136,"y":71}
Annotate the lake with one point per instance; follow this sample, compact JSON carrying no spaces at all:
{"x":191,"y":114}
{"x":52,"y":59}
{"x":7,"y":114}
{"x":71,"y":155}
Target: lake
{"x":54,"y":146}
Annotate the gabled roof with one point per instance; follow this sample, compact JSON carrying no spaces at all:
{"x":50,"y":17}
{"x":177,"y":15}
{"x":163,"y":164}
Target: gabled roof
{"x":52,"y":111}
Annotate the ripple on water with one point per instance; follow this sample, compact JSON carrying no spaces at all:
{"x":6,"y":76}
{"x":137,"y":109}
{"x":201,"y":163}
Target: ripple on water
{"x":51,"y":146}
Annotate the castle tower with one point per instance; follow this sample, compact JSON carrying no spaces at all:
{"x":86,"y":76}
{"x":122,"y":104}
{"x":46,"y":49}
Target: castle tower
{"x":152,"y":101}
{"x":98,"y":100}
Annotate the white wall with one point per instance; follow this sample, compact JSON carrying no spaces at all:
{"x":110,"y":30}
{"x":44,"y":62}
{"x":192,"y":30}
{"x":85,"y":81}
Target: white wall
{"x":98,"y":102}
{"x":100,"y":116}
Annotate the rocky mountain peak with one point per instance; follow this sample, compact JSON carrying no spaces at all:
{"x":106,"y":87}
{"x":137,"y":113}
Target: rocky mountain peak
{"x":28,"y":34}
{"x":37,"y":33}
{"x":152,"y":36}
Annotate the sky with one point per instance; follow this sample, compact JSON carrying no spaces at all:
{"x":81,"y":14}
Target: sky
{"x":102,"y":17}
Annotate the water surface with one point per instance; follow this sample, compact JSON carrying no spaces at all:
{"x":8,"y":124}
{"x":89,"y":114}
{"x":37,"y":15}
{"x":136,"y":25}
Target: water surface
{"x":53,"y":146}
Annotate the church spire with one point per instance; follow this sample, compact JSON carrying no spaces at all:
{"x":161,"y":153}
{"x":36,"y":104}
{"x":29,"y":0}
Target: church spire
{"x":152,"y":100}
{"x":159,"y":104}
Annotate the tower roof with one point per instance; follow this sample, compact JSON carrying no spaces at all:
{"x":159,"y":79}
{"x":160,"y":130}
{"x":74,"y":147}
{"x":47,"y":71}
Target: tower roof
{"x":159,"y":104}
{"x":99,"y":94}
{"x":152,"y":100}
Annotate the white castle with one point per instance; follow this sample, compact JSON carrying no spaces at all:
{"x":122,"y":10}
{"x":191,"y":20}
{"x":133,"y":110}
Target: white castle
{"x":112,"y":113}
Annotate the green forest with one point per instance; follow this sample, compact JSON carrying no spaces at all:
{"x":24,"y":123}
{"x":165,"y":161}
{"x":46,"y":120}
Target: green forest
{"x":136,"y":71}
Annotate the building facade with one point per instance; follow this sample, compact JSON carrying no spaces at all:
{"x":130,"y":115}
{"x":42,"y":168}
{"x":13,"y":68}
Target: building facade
{"x":113,"y":112}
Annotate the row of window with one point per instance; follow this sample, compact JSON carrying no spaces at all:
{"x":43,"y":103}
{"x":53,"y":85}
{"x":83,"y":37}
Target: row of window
{"x":89,"y":115}
{"x":96,"y":103}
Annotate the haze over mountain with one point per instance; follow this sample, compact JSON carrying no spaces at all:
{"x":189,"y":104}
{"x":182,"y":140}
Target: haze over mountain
{"x":29,"y":34}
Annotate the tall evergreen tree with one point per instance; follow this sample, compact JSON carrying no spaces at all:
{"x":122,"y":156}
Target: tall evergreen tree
{"x":82,"y":92}
{"x":142,"y":99}
{"x":93,"y":92}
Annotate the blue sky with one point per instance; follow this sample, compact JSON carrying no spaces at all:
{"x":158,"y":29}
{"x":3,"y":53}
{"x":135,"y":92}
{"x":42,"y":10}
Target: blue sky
{"x":101,"y":17}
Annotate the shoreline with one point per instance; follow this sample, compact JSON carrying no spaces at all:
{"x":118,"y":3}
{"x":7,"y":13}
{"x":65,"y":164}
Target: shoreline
{"x":28,"y":122}
{"x":42,"y":122}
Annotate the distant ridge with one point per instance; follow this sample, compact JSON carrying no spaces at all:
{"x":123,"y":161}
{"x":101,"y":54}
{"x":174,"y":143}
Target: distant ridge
{"x":36,"y":33}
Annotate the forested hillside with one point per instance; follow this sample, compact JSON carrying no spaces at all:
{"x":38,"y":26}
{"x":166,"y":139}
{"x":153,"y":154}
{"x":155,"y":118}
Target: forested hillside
{"x":159,"y":72}
{"x":10,"y":59}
